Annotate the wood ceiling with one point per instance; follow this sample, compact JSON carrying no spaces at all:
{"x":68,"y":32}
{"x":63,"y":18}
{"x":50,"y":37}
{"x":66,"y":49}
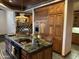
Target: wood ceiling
{"x":16,"y":4}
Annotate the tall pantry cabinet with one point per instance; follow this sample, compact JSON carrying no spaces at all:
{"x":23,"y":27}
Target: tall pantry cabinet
{"x":56,"y":14}
{"x":53,"y":17}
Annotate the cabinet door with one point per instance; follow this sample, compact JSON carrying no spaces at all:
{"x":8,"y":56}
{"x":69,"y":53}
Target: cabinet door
{"x":51,"y":30}
{"x":59,"y":19}
{"x":52,"y":9}
{"x":59,"y":25}
{"x":60,"y":7}
{"x":58,"y":30}
{"x":57,"y":44}
{"x":47,"y":53}
{"x":41,"y":11}
{"x":51,"y":21}
{"x":58,"y":33}
{"x":56,"y":8}
{"x":42,"y":27}
{"x":75,"y":38}
{"x":76,"y":19}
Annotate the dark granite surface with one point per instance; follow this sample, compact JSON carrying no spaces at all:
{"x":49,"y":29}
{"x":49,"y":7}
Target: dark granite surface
{"x":28,"y":46}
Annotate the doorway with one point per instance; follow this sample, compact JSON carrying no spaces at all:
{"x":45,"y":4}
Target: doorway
{"x":23,"y":23}
{"x":75,"y":28}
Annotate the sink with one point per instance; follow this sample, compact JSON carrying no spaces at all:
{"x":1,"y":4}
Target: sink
{"x":23,"y":41}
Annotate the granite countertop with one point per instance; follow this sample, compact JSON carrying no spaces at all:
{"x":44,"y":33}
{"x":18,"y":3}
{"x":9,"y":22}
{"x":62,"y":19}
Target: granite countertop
{"x":19,"y":37}
{"x":28,"y":46}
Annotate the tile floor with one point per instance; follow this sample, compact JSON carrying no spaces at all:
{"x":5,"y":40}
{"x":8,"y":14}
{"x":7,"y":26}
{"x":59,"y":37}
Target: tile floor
{"x":73,"y":55}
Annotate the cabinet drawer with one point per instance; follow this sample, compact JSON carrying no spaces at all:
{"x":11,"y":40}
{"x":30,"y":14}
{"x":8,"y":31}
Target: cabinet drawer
{"x":57,"y":44}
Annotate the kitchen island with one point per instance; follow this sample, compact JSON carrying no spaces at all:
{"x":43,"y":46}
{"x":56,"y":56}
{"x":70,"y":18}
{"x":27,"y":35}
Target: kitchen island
{"x":20,"y":47}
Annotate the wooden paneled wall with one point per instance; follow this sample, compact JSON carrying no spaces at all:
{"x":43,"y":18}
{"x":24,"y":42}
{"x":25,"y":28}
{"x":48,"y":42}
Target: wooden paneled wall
{"x":53,"y":18}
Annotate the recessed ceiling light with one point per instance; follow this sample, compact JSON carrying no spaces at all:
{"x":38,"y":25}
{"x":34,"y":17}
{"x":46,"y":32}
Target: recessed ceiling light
{"x":10,"y":0}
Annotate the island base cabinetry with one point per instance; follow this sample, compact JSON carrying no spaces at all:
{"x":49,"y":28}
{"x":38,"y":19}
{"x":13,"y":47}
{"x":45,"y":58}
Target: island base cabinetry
{"x":45,"y":53}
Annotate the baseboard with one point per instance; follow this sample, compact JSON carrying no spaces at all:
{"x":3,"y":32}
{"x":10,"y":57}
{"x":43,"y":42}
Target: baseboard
{"x":66,"y":54}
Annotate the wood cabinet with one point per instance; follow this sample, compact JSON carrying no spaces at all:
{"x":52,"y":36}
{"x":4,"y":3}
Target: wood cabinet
{"x":56,"y":22}
{"x":57,"y":31}
{"x":57,"y":44}
{"x":56,"y":8}
{"x":45,"y":53}
{"x":41,"y":12}
{"x":59,"y":25}
{"x":75,"y":38}
{"x":54,"y":25}
{"x":24,"y":55}
{"x":76,"y":19}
